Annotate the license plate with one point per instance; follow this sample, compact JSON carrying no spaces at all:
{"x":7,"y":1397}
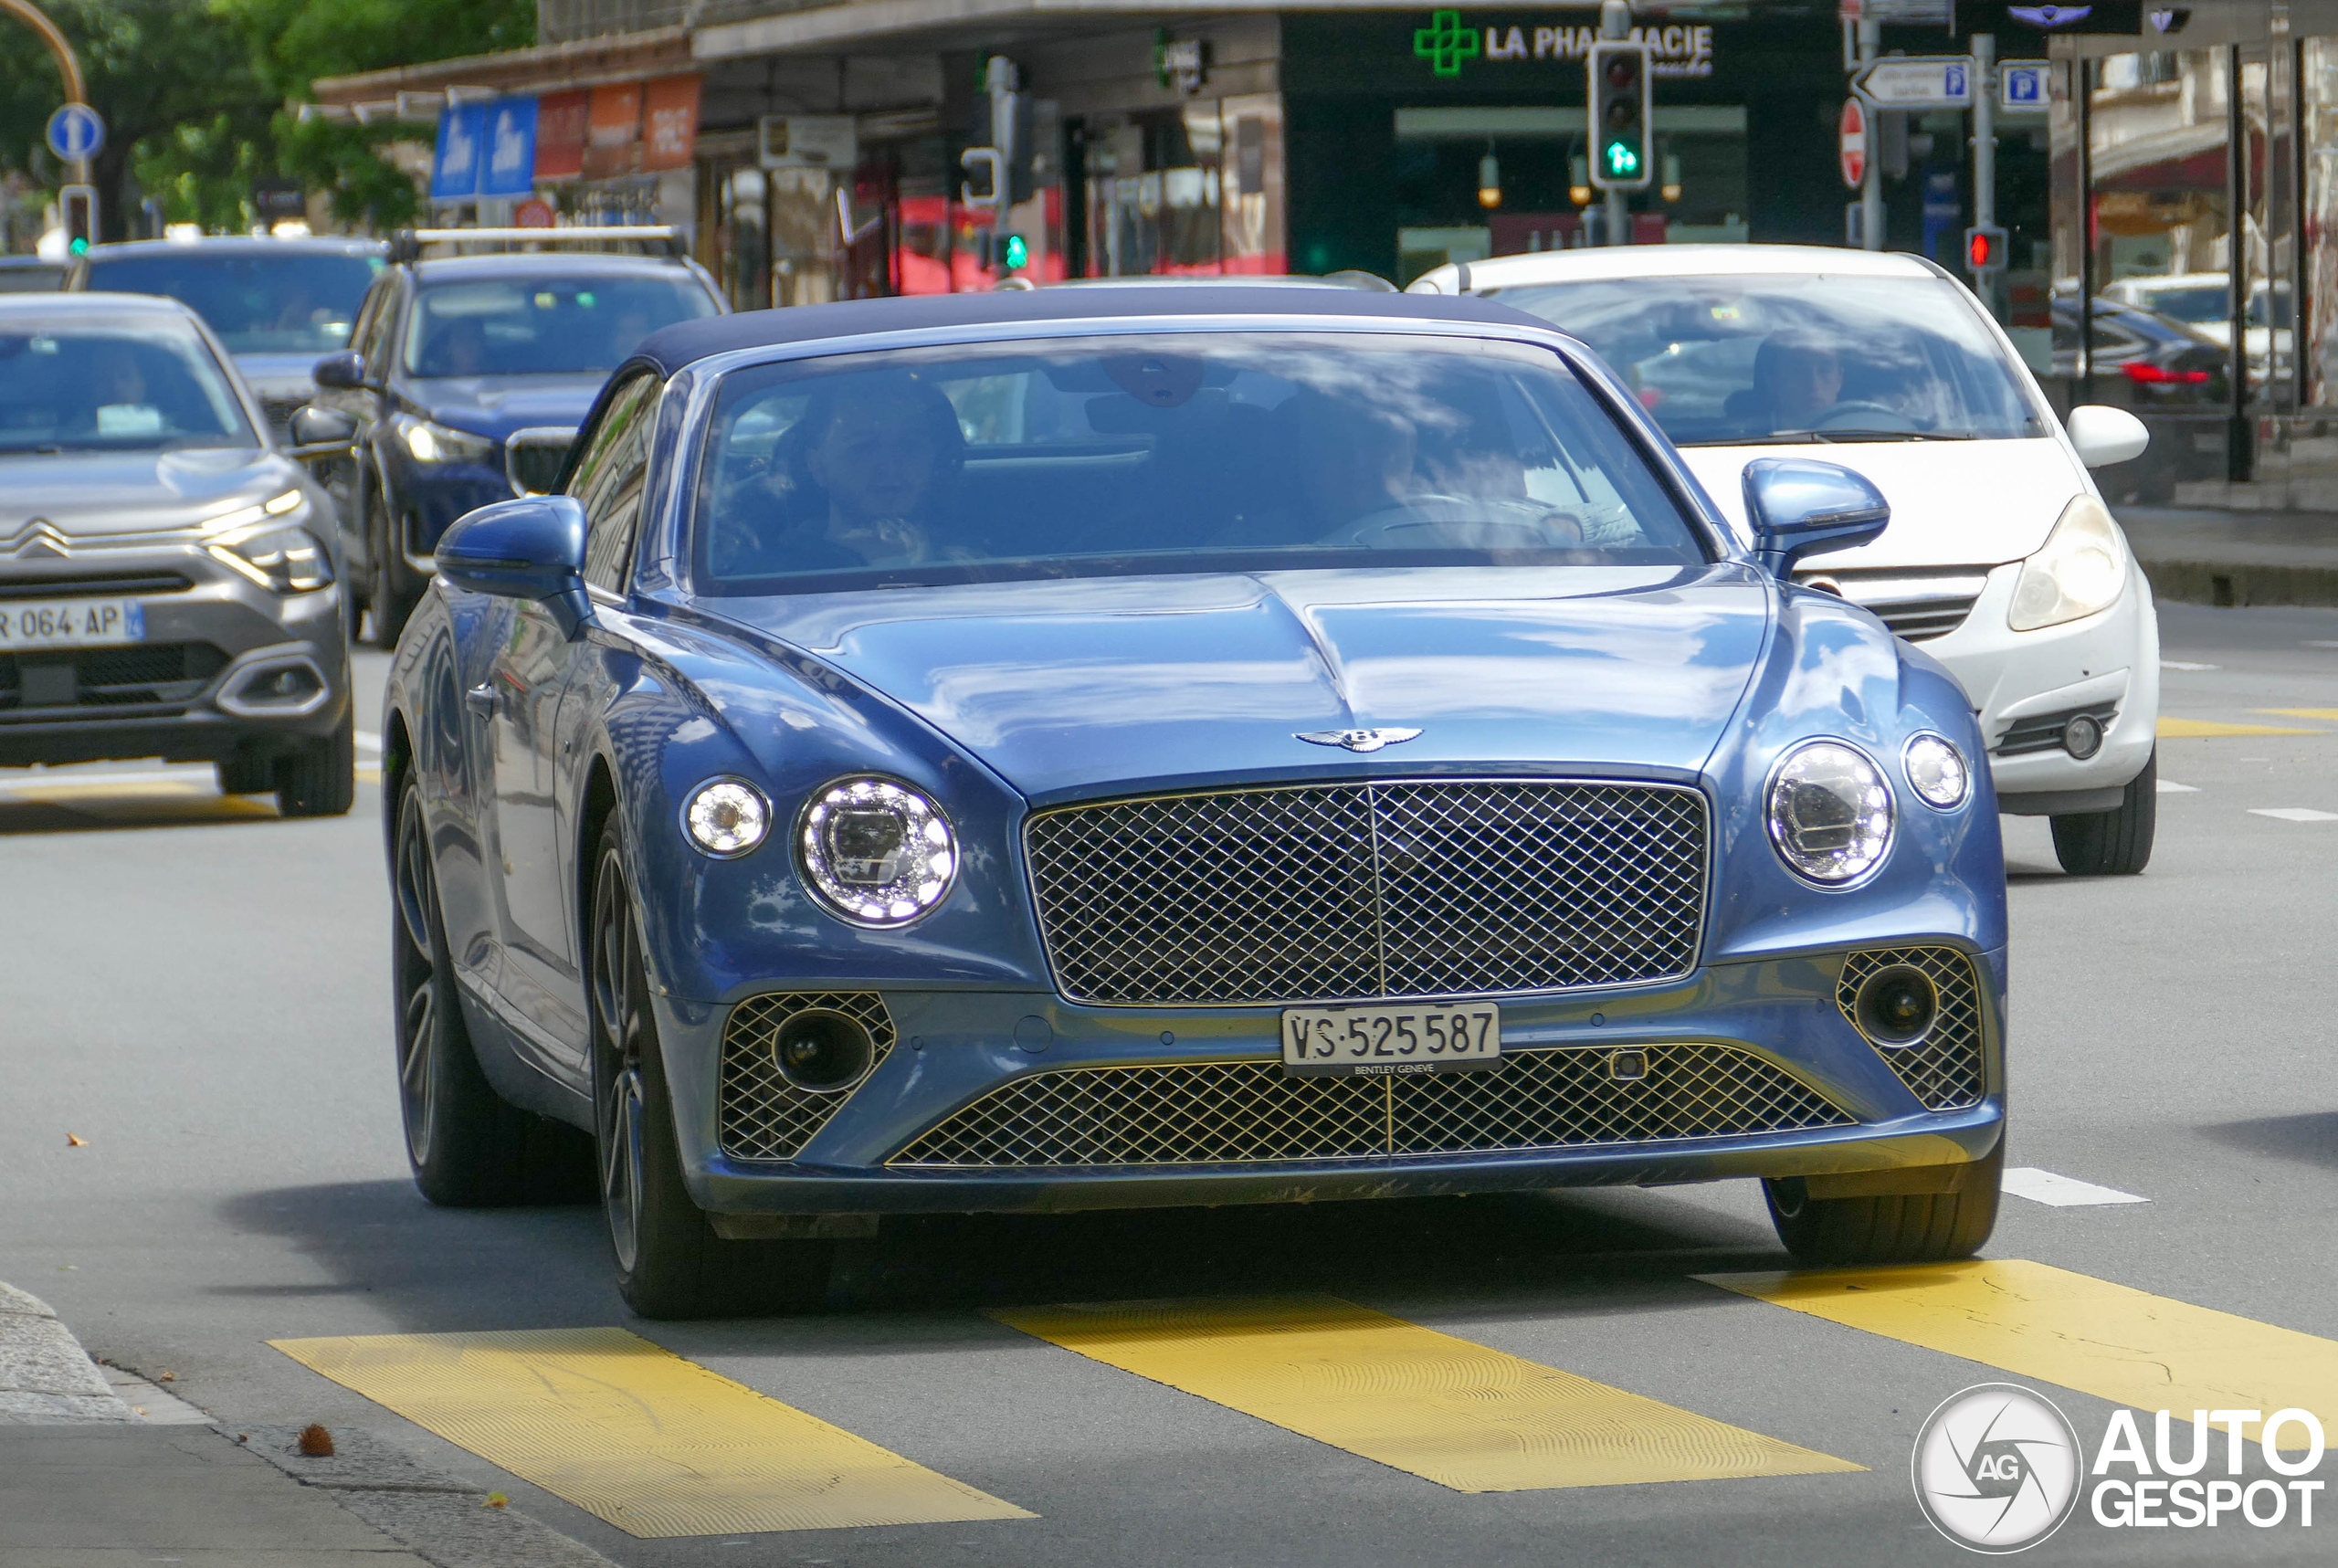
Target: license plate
{"x":70,"y":623}
{"x":1391,"y":1041}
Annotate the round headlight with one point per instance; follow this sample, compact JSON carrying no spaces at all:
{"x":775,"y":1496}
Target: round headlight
{"x":877,"y":853}
{"x":1830,"y":812}
{"x":727,"y":817}
{"x":1936,"y":771}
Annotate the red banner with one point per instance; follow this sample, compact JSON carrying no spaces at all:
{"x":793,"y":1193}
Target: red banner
{"x":669,"y":122}
{"x":612,"y":129}
{"x":560,"y":135}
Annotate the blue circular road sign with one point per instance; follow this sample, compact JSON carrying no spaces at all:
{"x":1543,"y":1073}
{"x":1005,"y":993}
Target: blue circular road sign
{"x":76,"y":132}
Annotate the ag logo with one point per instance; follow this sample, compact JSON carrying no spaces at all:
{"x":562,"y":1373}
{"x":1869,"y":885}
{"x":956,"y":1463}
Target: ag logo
{"x":1997,"y":1469}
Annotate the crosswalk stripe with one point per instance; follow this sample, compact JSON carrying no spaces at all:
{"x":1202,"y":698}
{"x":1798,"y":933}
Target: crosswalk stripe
{"x":2061,"y":1192}
{"x":2209,"y":729}
{"x":1458,"y":1414}
{"x":635,"y":1434}
{"x":2037,"y":1322}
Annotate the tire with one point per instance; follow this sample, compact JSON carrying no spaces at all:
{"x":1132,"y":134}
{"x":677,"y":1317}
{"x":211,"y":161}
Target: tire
{"x":1907,"y":1228}
{"x":2113,"y":843}
{"x":670,"y":1263}
{"x":396,"y":590}
{"x":319,"y":778}
{"x":245,"y":773}
{"x":467,"y":1145}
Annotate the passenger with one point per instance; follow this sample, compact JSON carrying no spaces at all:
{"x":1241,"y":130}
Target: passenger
{"x":860,"y":480}
{"x":1352,"y":460}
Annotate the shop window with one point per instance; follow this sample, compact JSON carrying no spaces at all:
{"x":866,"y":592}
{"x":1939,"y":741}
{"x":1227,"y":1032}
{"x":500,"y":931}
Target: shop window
{"x":2318,"y":137}
{"x":2159,"y":202}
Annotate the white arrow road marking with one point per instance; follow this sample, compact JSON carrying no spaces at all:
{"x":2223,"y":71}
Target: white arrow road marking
{"x":2293,"y":813}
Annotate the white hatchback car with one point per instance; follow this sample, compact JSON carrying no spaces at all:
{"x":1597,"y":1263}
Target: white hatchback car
{"x":2000,"y":559}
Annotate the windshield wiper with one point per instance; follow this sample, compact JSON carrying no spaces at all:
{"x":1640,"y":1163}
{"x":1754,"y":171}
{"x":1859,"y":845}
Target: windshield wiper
{"x":1802,"y":438}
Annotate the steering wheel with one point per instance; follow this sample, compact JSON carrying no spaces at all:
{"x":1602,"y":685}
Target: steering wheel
{"x":1833,"y":415}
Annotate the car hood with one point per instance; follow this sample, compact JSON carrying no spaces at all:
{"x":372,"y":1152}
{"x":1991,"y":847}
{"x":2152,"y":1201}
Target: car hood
{"x":1076,"y":688}
{"x":498,"y":404}
{"x":90,"y":493}
{"x":1953,"y":503}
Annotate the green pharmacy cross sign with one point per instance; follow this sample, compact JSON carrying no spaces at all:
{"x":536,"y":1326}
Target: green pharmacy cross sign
{"x":1444,"y":43}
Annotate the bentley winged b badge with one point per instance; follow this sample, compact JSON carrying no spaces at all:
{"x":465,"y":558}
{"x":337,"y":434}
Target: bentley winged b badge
{"x":1357,"y":740}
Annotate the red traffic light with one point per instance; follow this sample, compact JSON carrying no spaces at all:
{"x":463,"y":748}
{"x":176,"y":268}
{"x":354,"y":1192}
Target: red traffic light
{"x":1984,"y":249}
{"x":1623,"y":70}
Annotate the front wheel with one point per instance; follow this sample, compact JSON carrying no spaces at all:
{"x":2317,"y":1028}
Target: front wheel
{"x":319,"y":777}
{"x":1901,"y":1227}
{"x":396,"y":591}
{"x":2113,"y":843}
{"x":670,"y":1263}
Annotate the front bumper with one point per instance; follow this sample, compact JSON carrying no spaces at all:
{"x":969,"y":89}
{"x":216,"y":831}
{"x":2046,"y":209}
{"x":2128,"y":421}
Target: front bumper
{"x":2109,"y":660}
{"x":953,"y":1050}
{"x":201,"y":685}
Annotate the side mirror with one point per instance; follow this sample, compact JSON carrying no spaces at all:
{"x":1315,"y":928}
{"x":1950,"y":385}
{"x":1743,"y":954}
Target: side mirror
{"x":533,"y":548}
{"x":1798,"y":506}
{"x":321,"y":432}
{"x":2105,"y":436}
{"x":343,"y":372}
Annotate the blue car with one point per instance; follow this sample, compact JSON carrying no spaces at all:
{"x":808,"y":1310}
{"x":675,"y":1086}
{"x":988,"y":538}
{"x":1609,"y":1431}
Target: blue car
{"x":1093,"y":749}
{"x":464,"y":381}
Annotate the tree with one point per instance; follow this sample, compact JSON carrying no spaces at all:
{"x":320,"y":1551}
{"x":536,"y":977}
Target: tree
{"x":194,"y":93}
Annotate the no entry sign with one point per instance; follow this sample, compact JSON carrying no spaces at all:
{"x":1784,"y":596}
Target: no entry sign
{"x":1854,"y":129}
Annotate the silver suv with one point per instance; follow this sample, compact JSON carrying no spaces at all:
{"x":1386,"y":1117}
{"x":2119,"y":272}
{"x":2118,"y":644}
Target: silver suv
{"x":169,"y":580}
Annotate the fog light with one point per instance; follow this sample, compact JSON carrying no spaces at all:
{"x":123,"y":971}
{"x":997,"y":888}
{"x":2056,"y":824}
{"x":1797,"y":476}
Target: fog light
{"x":2082,"y":736}
{"x":726,"y":817}
{"x":1895,"y":1006}
{"x":823,"y":1051}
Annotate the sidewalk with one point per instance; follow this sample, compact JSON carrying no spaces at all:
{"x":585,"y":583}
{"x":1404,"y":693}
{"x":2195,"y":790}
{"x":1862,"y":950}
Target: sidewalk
{"x":88,"y":1481}
{"x":2198,"y":556}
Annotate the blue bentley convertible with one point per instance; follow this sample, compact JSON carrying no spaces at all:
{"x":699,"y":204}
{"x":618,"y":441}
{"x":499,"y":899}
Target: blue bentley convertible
{"x":1113,"y":747}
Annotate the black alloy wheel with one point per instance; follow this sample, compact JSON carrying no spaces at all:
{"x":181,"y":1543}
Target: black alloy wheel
{"x":468,"y":1146}
{"x":669,"y":1262}
{"x":2113,"y":843}
{"x":1899,"y":1228}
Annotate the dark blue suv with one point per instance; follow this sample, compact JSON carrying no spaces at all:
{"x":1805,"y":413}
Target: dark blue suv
{"x":464,"y":380}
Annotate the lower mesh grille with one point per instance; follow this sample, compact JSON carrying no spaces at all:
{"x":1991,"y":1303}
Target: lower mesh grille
{"x":1206,"y":1114}
{"x":1943,"y":1071}
{"x":761,"y":1115}
{"x":136,"y":675}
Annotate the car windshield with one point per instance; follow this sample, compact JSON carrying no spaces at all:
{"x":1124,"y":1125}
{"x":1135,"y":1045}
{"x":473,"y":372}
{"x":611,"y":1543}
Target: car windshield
{"x":259,"y":302}
{"x":1172,"y":452}
{"x":567,"y":325}
{"x":122,"y":385}
{"x":1733,"y":360}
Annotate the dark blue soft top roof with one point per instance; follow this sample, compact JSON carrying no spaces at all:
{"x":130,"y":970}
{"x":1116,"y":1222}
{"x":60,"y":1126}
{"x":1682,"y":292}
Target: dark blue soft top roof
{"x":674,"y":347}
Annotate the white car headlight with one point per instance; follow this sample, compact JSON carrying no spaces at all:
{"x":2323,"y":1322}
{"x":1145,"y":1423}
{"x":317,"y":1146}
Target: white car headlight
{"x":266,"y":545}
{"x":726,"y":817}
{"x":432,"y":443}
{"x":2079,"y":570}
{"x":876,"y":852}
{"x":1830,"y":812}
{"x":1937,"y":771}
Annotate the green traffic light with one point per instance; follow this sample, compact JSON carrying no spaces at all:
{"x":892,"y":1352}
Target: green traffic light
{"x":1017,"y":251}
{"x":1622,"y":159}
{"x":79,"y":246}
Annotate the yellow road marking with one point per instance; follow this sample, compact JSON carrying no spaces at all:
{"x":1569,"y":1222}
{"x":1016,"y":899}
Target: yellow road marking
{"x":633,"y":1433}
{"x":1454,"y":1413}
{"x":2208,"y":729}
{"x":2117,"y":1343}
{"x":2329,"y":713}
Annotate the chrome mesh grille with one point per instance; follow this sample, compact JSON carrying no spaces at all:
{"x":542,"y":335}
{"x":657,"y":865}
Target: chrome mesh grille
{"x":1347,"y":891}
{"x":1206,"y":1113}
{"x":759,"y":1114}
{"x":1944,"y":1069}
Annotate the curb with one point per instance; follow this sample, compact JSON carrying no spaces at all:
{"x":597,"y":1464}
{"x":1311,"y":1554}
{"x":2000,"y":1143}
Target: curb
{"x":46,"y":1377}
{"x":2236,"y":584}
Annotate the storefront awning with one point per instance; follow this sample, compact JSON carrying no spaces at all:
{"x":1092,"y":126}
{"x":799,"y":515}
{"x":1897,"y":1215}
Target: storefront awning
{"x":419,"y":92}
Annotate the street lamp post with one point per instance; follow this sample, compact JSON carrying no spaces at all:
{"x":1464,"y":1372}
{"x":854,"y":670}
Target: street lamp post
{"x":67,"y":64}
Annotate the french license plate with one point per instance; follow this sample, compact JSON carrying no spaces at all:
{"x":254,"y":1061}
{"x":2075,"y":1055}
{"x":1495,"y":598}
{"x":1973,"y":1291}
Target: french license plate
{"x":70,"y":623}
{"x":1392,"y":1041}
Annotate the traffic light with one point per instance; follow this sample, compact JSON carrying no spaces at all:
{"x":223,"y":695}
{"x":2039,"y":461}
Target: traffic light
{"x":1013,"y":252}
{"x":77,"y":214}
{"x":1984,"y":249}
{"x":1619,"y":93}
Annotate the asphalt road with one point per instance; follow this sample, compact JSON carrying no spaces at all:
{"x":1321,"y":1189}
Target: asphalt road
{"x":198,"y":992}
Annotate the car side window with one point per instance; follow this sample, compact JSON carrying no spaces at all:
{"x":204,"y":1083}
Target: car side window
{"x":609,"y":480}
{"x":370,"y":337}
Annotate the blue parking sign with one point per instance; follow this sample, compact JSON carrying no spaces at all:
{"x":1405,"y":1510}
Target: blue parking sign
{"x":462,"y":146}
{"x":510,"y":147}
{"x":2021,"y":86}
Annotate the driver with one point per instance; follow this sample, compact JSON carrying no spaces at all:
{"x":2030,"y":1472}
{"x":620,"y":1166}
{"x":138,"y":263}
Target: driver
{"x":1351,"y":460}
{"x":858,"y":481}
{"x":1796,"y":377}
